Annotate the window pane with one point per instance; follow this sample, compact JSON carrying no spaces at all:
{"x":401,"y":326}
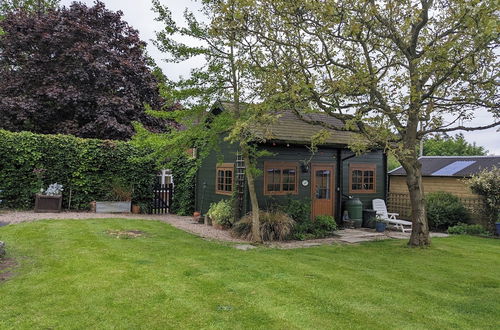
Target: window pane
{"x":323,"y":184}
{"x":273,"y":179}
{"x":363,"y":179}
{"x":229,"y":177}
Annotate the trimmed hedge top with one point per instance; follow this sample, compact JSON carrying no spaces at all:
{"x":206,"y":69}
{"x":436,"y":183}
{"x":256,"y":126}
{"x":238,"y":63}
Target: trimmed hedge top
{"x":86,"y":167}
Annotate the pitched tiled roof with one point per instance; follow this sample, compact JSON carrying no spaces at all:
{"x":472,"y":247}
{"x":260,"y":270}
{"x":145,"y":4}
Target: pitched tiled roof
{"x":291,"y":129}
{"x":458,"y":166}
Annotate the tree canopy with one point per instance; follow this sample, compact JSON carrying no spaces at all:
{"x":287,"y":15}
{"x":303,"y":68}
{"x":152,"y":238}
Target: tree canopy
{"x":29,"y":5}
{"x":393,"y":71}
{"x":452,"y":146}
{"x":78,"y":70}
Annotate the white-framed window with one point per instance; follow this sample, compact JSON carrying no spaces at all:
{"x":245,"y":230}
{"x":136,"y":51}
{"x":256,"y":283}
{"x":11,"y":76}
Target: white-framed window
{"x":165,"y":177}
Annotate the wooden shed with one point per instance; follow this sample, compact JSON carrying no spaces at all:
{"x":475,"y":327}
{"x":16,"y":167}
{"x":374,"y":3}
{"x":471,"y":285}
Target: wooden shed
{"x":440,"y":173}
{"x":324,"y":178}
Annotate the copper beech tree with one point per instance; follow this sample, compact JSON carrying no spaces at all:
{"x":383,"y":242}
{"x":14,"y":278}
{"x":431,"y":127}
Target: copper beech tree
{"x":78,"y":70}
{"x":393,"y":71}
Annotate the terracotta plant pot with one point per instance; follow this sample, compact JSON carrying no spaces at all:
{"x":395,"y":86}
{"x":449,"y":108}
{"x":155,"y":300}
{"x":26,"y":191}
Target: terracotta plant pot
{"x":197,"y":217}
{"x":92,"y":206}
{"x":136,"y":209}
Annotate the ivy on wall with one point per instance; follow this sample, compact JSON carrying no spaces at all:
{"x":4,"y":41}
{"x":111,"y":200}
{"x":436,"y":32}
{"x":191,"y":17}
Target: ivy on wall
{"x":184,"y":173}
{"x":86,"y":168}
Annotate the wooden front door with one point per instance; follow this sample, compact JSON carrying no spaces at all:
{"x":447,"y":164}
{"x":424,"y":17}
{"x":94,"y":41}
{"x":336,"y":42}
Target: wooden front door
{"x":322,"y":190}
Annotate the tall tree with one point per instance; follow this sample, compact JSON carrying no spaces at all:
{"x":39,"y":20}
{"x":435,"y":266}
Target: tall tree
{"x":224,"y":75}
{"x":393,"y":71}
{"x":444,"y":145}
{"x":78,"y":70}
{"x":7,"y":6}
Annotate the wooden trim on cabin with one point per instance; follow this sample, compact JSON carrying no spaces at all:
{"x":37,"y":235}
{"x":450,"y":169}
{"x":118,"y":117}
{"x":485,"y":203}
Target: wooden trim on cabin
{"x":318,"y":207}
{"x":224,"y":188}
{"x":363,"y":168}
{"x":280,"y":184}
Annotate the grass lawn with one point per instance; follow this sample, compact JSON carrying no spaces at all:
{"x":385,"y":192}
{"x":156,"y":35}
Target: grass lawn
{"x":72,"y":274}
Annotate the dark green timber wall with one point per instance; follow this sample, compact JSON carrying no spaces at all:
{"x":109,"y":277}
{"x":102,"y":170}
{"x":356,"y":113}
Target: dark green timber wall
{"x":205,"y":187}
{"x":205,"y":180}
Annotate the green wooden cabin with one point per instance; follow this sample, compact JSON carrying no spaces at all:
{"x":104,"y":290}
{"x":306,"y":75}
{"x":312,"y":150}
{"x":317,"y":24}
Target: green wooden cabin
{"x":325,"y":179}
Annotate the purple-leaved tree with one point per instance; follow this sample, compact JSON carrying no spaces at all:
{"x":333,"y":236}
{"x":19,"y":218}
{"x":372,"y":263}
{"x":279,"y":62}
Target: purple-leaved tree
{"x":78,"y":70}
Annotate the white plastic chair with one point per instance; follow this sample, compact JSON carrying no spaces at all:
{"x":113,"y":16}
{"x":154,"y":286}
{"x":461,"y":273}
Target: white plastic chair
{"x":390,"y":218}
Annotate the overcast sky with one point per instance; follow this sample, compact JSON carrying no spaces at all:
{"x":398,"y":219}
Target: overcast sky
{"x":139,"y":15}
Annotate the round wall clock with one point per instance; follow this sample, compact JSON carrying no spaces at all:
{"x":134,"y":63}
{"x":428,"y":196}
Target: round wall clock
{"x":305,"y":183}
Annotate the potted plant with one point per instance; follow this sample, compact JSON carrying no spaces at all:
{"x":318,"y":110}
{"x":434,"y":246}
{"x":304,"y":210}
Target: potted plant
{"x":380,"y":224}
{"x":49,"y":200}
{"x":119,"y":199}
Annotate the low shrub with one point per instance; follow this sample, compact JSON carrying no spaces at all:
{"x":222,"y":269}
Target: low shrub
{"x":222,"y":213}
{"x":298,"y":210}
{"x":325,"y":223}
{"x":274,"y":226}
{"x":487,"y":184}
{"x":445,"y":210}
{"x":322,"y":226}
{"x":465,"y":229}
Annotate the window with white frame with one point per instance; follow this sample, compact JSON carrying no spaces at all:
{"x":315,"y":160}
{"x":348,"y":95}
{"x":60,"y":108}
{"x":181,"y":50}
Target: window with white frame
{"x":165,"y":177}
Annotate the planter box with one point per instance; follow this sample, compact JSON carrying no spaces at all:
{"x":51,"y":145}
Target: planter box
{"x":113,"y":207}
{"x":48,"y":204}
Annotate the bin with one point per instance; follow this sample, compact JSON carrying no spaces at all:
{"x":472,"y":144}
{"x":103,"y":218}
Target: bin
{"x":369,"y":218}
{"x":355,"y":210}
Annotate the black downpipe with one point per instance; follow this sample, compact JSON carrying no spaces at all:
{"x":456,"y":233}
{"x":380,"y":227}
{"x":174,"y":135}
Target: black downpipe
{"x":386,"y":177}
{"x":338,"y":188}
{"x":340,"y":185}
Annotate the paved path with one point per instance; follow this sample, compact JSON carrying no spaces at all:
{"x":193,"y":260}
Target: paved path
{"x":349,"y":236}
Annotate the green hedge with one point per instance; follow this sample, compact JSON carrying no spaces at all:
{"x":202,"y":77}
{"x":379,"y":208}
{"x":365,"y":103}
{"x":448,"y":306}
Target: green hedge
{"x":184,"y":172}
{"x":86,"y":167}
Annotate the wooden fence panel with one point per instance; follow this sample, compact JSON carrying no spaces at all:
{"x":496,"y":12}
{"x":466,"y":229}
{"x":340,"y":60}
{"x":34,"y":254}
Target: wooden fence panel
{"x":400,"y":203}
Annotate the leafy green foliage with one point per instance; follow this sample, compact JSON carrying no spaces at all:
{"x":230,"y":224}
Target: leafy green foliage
{"x":392,"y":162}
{"x":86,"y":167}
{"x":184,"y":174}
{"x":274,"y":226}
{"x":452,"y":146}
{"x":325,"y":223}
{"x":321,"y":226}
{"x":444,"y":210}
{"x":487,"y":184}
{"x":299,"y":210}
{"x":29,"y":5}
{"x":222,"y":213}
{"x":394,"y":72}
{"x":466,"y":229}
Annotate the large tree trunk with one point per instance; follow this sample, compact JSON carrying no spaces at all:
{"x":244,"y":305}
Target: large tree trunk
{"x":420,"y":228}
{"x":253,"y":195}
